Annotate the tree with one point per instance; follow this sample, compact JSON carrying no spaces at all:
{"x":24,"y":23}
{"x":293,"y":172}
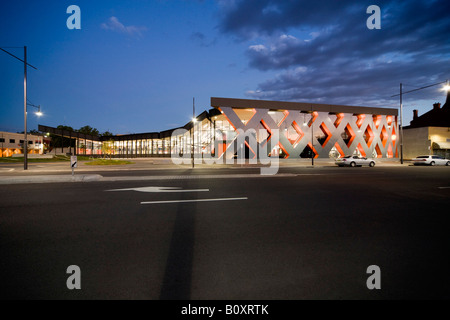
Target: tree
{"x":108,"y":148}
{"x":106,"y":134}
{"x":89,"y":130}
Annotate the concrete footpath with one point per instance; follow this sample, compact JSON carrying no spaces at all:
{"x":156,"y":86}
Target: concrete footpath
{"x":49,"y":178}
{"x":156,"y":169}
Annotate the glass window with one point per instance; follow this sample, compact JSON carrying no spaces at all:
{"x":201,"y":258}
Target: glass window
{"x":2,"y":139}
{"x":12,"y":140}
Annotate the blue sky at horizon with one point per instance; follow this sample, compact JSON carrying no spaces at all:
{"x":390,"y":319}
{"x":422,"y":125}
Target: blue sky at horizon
{"x":136,"y":65}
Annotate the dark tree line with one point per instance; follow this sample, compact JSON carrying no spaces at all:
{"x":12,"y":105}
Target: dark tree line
{"x":58,"y":141}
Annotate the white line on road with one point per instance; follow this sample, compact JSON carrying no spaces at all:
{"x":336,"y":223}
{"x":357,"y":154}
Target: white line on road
{"x":160,"y":189}
{"x":194,"y":200}
{"x":443,"y":187}
{"x":202,"y":176}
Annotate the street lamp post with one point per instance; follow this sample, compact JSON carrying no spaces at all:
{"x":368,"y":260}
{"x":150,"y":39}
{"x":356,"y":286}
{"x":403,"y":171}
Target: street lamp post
{"x":25,"y":143}
{"x":25,"y":64}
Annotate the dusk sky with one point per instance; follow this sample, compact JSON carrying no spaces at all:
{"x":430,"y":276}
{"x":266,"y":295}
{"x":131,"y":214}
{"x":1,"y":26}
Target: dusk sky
{"x":136,"y":65}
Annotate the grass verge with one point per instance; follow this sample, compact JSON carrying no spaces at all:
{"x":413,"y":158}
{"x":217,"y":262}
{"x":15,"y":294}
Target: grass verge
{"x":20,"y":159}
{"x":107,"y":162}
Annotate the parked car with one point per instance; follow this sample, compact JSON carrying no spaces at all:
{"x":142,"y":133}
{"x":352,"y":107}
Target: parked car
{"x":431,"y":160}
{"x":354,"y":161}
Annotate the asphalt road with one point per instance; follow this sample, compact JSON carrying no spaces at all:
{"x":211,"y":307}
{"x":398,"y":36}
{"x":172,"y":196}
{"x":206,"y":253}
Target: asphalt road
{"x":309,"y":234}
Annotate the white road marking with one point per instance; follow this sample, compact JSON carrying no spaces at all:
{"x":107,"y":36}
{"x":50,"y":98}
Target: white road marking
{"x":160,"y":189}
{"x":194,"y":200}
{"x":443,"y":187}
{"x":203,"y":176}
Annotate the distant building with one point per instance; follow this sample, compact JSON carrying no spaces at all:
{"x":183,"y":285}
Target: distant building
{"x":428,"y":133}
{"x":12,"y":143}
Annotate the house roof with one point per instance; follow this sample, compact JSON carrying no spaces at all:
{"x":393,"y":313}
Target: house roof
{"x":436,"y":117}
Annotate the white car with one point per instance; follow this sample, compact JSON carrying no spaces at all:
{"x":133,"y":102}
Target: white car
{"x":431,"y":160}
{"x":354,"y":161}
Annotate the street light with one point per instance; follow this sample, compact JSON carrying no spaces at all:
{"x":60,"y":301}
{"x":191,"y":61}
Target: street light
{"x":25,"y":64}
{"x":38,"y":113}
{"x":445,"y":88}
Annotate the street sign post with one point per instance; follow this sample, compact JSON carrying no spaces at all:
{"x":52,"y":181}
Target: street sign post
{"x":73,"y":163}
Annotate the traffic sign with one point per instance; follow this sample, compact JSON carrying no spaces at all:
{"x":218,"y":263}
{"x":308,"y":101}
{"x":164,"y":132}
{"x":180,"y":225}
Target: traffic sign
{"x":73,"y":161}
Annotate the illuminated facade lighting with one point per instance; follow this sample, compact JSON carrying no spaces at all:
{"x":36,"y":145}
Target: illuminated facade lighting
{"x":328,"y":131}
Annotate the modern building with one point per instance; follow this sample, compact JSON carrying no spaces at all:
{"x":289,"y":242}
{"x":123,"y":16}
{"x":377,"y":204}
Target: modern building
{"x":284,"y":129}
{"x":12,"y":143}
{"x":429,"y":133}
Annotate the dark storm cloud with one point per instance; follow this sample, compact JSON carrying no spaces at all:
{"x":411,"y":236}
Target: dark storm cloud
{"x":335,"y":49}
{"x":353,"y":83}
{"x":247,"y":17}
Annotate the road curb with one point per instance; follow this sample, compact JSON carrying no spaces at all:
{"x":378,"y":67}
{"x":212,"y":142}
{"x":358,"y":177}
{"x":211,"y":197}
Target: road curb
{"x":50,"y":179}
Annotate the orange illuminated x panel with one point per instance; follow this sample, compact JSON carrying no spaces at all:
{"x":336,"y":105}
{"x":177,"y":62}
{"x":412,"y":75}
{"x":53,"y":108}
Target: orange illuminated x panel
{"x":221,"y":149}
{"x":284,"y":150}
{"x":269,"y":132}
{"x":299,"y":132}
{"x":286,"y":113}
{"x":315,"y":114}
{"x":376,"y":120}
{"x":394,"y":136}
{"x":248,"y":146}
{"x":361,"y":150}
{"x":264,"y":124}
{"x":350,"y":134}
{"x":316,"y":155}
{"x":378,"y":151}
{"x":360,"y":120}
{"x":226,"y":117}
{"x":390,"y":153}
{"x":327,"y":133}
{"x":389,"y":120}
{"x":384,"y":136}
{"x":339,"y":118}
{"x":339,"y":149}
{"x":368,"y":136}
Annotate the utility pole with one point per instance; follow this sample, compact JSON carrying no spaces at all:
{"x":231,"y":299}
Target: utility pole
{"x":401,"y":123}
{"x":312,"y":137}
{"x":193,"y":131}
